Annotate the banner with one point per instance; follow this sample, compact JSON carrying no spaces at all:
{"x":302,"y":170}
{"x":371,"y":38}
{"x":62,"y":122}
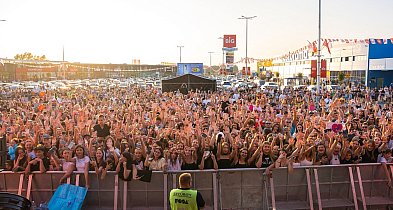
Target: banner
{"x":314,"y":65}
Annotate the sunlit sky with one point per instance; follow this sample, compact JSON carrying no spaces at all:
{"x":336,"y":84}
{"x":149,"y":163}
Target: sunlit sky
{"x":117,"y":31}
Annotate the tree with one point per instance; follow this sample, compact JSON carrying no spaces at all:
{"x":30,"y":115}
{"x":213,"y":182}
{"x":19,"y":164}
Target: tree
{"x":29,"y":56}
{"x":341,"y":77}
{"x":235,"y":69}
{"x":262,"y":76}
{"x":299,"y":75}
{"x":277,"y":74}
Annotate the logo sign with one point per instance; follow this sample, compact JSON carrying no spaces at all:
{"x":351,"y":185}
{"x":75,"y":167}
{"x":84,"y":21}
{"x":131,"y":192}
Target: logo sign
{"x":230,"y":41}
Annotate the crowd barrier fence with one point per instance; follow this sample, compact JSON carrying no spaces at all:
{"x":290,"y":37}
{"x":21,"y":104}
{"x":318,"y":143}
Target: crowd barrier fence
{"x":318,"y":187}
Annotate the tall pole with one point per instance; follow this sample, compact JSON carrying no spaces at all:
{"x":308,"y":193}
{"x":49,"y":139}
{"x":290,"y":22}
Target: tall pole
{"x":180,"y":51}
{"x":210,"y":53}
{"x":64,"y":71}
{"x":223,"y":53}
{"x":246,"y":46}
{"x":247,"y":18}
{"x":319,"y":52}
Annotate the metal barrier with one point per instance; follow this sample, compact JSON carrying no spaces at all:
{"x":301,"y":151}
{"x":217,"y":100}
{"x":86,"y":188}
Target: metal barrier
{"x":319,"y":187}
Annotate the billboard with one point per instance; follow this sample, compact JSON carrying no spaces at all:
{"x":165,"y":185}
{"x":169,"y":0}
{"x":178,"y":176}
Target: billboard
{"x":189,"y":68}
{"x":230,"y":57}
{"x":229,"y":41}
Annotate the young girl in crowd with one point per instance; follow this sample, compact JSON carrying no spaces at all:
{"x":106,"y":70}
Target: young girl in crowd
{"x":156,"y":160}
{"x":126,"y":167}
{"x":82,"y":162}
{"x":98,"y":163}
{"x":189,"y":159}
{"x":174,"y":161}
{"x":21,"y":160}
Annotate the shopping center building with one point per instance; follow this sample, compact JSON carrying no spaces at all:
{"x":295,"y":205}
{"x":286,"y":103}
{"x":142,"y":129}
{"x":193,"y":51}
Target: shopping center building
{"x":360,"y":61}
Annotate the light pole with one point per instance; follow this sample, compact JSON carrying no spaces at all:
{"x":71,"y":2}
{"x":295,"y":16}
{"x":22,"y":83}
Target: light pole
{"x":319,"y":52}
{"x":223,"y":53}
{"x":180,"y":46}
{"x":210,"y":54}
{"x":4,"y":21}
{"x":246,"y":18}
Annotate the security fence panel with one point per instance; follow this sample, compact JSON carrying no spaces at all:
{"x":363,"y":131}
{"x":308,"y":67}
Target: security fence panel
{"x":10,"y":182}
{"x":93,"y":195}
{"x":105,"y":192}
{"x":241,"y":189}
{"x":333,"y":186}
{"x":372,"y":185}
{"x":291,"y":190}
{"x":41,"y":188}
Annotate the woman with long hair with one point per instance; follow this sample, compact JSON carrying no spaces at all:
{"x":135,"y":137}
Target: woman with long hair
{"x":67,"y":163}
{"x":111,"y":150}
{"x":189,"y":159}
{"x":126,"y":167}
{"x":174,"y":160}
{"x":225,"y":158}
{"x":241,"y":160}
{"x":156,"y":160}
{"x":98,"y":163}
{"x":21,"y":160}
{"x":82,"y":162}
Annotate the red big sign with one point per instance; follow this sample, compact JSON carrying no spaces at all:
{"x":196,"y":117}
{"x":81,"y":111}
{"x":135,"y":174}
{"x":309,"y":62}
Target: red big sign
{"x":229,"y":41}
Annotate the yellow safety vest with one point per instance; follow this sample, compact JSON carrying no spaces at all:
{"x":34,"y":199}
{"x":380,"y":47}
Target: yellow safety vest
{"x":183,"y":199}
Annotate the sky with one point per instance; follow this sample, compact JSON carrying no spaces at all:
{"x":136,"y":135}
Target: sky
{"x":117,"y":31}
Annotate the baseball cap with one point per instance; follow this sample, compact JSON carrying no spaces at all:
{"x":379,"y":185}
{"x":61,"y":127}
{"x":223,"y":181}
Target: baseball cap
{"x":40,"y":147}
{"x":46,"y":136}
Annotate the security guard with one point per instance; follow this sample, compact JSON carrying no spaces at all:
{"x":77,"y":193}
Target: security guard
{"x":184,"y":198}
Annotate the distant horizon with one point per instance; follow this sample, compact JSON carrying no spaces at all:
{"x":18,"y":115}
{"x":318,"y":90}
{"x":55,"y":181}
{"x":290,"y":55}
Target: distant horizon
{"x":119,"y":31}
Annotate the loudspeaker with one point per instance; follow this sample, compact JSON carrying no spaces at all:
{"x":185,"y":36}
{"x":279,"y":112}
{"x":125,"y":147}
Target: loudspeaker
{"x":13,"y":201}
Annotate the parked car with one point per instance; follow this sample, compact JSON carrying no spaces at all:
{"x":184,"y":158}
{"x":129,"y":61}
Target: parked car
{"x":270,"y":85}
{"x":300,"y":87}
{"x":332,"y":88}
{"x":226,"y":85}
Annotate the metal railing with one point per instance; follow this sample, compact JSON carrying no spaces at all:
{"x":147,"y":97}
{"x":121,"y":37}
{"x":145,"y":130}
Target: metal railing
{"x":317,"y":187}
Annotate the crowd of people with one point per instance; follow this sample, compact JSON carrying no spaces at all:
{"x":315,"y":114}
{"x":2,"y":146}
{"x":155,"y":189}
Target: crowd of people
{"x":134,"y":129}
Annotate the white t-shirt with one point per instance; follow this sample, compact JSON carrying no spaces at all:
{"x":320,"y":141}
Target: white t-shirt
{"x":66,"y":164}
{"x":383,"y":160}
{"x":174,"y":167}
{"x":81,"y":163}
{"x":335,"y":160}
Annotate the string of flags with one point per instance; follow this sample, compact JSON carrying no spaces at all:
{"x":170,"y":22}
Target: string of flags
{"x":313,"y":49}
{"x":73,"y":67}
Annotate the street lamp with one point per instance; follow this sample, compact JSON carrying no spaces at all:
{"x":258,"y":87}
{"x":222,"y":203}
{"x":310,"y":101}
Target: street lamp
{"x":179,"y":46}
{"x":210,"y":53}
{"x":319,"y":52}
{"x":223,"y":53}
{"x":246,"y":18}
